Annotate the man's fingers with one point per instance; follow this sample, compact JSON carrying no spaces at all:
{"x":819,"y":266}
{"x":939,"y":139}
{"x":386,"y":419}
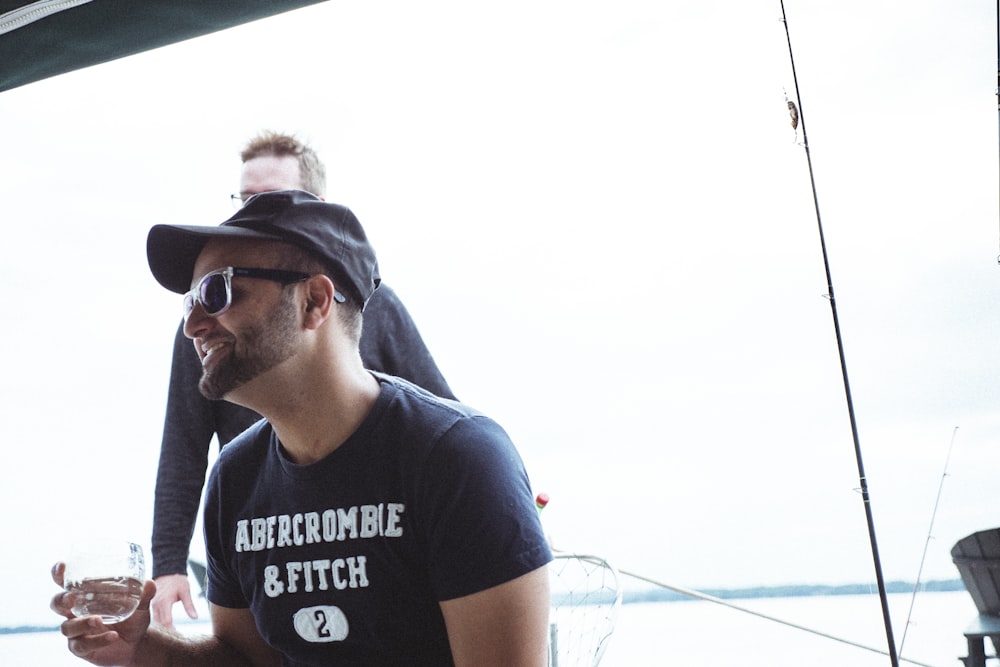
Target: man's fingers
{"x":83,"y":645}
{"x":189,"y":607}
{"x":61,"y":604}
{"x":58,"y":570}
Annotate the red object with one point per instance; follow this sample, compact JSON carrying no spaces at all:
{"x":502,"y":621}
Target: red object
{"x":541,"y":500}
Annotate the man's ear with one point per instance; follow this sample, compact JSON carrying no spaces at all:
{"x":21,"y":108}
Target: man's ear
{"x":319,"y":300}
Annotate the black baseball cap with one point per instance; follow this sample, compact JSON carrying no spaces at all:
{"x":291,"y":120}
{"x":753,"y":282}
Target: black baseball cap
{"x":330,"y":231}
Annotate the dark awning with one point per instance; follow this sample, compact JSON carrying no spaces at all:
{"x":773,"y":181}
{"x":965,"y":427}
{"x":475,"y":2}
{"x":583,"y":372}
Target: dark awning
{"x":57,"y":36}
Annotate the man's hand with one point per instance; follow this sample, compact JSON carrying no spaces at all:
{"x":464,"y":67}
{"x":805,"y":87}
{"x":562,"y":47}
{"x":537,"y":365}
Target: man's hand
{"x":92,"y":640}
{"x":172,"y":588}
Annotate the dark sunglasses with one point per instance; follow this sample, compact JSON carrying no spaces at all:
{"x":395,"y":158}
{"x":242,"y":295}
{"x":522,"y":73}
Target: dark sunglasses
{"x":215,"y":290}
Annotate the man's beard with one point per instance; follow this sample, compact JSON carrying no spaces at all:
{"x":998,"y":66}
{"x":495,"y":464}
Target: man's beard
{"x":262,"y":347}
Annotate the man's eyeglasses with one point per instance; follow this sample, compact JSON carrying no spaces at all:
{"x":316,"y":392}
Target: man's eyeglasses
{"x":240,"y":198}
{"x":215,"y":290}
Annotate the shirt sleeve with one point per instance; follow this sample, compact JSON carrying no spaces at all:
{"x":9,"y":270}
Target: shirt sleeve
{"x":483,"y":527}
{"x":187,"y":432}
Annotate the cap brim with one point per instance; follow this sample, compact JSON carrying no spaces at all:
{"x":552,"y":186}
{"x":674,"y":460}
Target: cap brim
{"x":172,"y":250}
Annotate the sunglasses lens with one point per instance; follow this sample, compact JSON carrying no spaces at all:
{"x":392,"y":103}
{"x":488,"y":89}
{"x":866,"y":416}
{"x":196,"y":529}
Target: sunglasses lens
{"x":213,"y":294}
{"x":188,"y":305}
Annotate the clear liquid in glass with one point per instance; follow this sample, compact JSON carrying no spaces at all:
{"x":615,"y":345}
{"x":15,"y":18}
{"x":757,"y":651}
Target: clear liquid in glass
{"x":112,"y":598}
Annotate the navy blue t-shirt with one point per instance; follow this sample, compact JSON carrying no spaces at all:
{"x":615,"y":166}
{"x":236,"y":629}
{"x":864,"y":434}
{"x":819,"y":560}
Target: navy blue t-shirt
{"x":345,"y":560}
{"x":390,"y":344}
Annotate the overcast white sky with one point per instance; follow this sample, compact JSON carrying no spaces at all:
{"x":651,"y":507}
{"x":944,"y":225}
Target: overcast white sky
{"x":601,"y":220}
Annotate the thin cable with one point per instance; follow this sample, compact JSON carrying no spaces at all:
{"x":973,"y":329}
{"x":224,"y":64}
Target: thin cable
{"x":843,"y":365}
{"x":719,"y":601}
{"x":930,"y":533}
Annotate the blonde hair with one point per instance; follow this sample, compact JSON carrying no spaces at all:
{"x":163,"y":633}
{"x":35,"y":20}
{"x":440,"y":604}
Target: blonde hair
{"x":270,"y":143}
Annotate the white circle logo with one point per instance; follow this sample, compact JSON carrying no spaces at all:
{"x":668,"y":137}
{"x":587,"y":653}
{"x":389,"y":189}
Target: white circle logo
{"x":320,"y":625}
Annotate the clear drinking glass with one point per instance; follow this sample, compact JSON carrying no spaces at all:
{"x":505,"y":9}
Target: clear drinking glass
{"x":105,"y":580}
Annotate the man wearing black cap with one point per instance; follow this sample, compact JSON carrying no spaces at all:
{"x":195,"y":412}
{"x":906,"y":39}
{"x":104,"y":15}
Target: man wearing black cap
{"x":366,"y":521}
{"x":390,"y":343}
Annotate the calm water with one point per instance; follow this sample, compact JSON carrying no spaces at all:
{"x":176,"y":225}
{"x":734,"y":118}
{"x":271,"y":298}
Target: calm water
{"x":703,"y":633}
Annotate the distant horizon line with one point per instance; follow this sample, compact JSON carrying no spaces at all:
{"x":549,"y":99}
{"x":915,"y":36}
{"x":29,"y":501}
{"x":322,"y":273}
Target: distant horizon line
{"x":653,"y":593}
{"x":656,"y":594}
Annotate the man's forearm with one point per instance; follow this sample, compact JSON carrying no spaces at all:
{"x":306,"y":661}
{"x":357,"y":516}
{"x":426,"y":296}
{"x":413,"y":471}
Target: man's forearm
{"x":161,"y":648}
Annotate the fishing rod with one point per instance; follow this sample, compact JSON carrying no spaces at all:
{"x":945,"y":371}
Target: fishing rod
{"x":930,"y":534}
{"x":883,"y":598}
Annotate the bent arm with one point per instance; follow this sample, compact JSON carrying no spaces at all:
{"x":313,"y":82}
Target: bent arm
{"x":235,"y":643}
{"x":190,"y":423}
{"x":188,"y":428}
{"x":237,"y":629}
{"x":160,"y":648}
{"x":503,"y":626}
{"x":135,"y":643}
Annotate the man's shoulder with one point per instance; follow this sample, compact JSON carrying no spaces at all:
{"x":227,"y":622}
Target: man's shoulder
{"x":384,"y":292}
{"x":430,"y":419}
{"x":419,"y":397}
{"x":384,"y":297}
{"x":384,"y":304}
